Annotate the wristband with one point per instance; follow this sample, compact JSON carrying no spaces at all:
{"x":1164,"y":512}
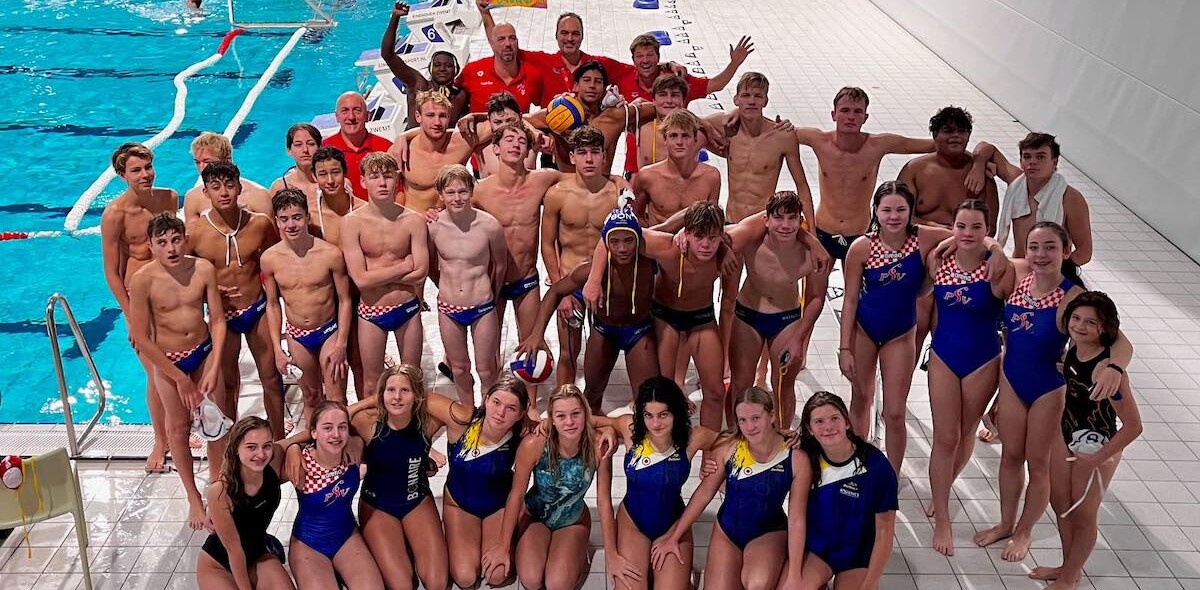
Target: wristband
{"x":1115,"y":367}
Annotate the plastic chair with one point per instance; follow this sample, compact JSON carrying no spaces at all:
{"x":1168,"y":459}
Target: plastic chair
{"x":51,"y":488}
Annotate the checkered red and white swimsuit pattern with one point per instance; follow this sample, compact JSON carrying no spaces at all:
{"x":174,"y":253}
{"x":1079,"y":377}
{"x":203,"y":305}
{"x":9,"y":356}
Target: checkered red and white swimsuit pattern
{"x":882,"y":256}
{"x":950,"y":273}
{"x":317,"y":477}
{"x":1024,"y":298}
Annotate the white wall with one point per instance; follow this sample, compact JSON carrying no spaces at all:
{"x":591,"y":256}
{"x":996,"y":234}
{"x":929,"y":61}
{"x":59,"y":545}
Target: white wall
{"x":1117,"y":81}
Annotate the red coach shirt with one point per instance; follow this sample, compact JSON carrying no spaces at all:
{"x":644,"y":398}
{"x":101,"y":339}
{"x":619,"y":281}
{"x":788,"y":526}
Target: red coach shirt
{"x":479,"y":78}
{"x":354,"y":156}
{"x":559,"y":79}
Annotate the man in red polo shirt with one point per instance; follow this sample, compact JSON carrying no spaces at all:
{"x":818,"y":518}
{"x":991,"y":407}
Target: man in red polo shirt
{"x":353,"y":138}
{"x":505,"y":70}
{"x":558,"y":69}
{"x":645,"y":51}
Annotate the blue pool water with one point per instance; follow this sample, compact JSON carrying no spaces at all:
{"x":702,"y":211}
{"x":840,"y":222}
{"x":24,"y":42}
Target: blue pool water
{"x":78,"y":78}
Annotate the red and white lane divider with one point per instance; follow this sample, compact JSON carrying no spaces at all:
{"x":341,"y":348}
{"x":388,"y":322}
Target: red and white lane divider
{"x":85,"y":200}
{"x":9,"y":236}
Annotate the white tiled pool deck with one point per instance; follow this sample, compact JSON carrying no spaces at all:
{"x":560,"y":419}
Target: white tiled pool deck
{"x":1150,"y":520}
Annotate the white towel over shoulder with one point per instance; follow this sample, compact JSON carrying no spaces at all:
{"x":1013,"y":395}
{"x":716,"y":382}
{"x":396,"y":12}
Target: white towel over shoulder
{"x":1016,"y":204}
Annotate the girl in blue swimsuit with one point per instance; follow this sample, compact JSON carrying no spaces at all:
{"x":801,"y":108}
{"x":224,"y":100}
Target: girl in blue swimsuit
{"x":325,"y":537}
{"x":1032,"y":389}
{"x":753,"y":539}
{"x":551,"y":520}
{"x":241,"y":504}
{"x":398,"y":513}
{"x":964,"y":365}
{"x":660,"y":444}
{"x":482,"y":451}
{"x":885,"y":273}
{"x":851,"y":513}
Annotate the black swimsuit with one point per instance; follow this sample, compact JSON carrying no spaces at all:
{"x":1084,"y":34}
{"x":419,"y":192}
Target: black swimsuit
{"x":252,"y":515}
{"x":1084,"y":420}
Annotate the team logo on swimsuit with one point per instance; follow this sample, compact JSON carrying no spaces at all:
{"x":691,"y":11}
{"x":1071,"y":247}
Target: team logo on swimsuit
{"x":893,"y":275}
{"x":849,"y":489}
{"x":1029,"y":300}
{"x":1022,"y":321}
{"x":958,"y":296}
{"x":340,"y":490}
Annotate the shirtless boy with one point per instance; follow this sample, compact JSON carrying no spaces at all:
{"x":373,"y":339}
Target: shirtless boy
{"x":514,"y":195}
{"x":1038,"y":192}
{"x":670,"y":93}
{"x":167,"y":307}
{"x":211,"y":147}
{"x":502,"y":109}
{"x":303,"y":140}
{"x":471,"y":260}
{"x":126,"y":249}
{"x":770,"y":306}
{"x":426,"y":150}
{"x":683,"y":298}
{"x":938,"y":180}
{"x":333,"y":200}
{"x":623,"y":322}
{"x":573,"y":214}
{"x":667,"y":187}
{"x":758,"y":149}
{"x":310,"y":275}
{"x":849,"y":161}
{"x":387,"y":256}
{"x":233,"y":240}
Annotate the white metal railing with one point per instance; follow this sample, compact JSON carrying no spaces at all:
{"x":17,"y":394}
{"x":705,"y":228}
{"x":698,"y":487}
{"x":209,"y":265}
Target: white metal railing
{"x":74,"y":440}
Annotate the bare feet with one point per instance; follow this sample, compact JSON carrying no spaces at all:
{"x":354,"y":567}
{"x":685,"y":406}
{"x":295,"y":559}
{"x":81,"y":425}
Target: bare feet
{"x":992,"y":535}
{"x":1045,"y":573}
{"x":930,"y":511}
{"x":196,"y":514}
{"x":943,"y":537}
{"x":1017,"y":548}
{"x":156,"y":462}
{"x":1064,"y":584}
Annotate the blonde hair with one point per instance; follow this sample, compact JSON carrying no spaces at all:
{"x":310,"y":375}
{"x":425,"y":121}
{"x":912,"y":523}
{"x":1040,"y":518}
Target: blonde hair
{"x":450,"y":174}
{"x":753,"y":80}
{"x":682,"y":119}
{"x":416,"y":381}
{"x":130,"y":150}
{"x":751,"y":395}
{"x":587,"y":442}
{"x":437,"y":97}
{"x":378,"y":162}
{"x":215,"y":143}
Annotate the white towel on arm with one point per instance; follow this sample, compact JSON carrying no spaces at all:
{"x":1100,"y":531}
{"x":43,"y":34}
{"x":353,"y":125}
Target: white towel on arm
{"x":1016,"y":204}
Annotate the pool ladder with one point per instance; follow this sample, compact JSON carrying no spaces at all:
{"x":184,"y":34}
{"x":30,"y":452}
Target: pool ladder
{"x":74,"y":441}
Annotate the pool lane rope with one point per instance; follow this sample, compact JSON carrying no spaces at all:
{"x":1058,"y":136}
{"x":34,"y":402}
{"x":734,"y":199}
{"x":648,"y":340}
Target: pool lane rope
{"x":8,"y":236}
{"x":85,"y":200}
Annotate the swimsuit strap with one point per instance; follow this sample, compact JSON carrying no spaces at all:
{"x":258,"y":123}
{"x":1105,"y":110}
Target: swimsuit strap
{"x":231,"y":244}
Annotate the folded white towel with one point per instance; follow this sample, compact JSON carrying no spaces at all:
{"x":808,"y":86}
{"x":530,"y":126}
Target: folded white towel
{"x":1016,"y":204}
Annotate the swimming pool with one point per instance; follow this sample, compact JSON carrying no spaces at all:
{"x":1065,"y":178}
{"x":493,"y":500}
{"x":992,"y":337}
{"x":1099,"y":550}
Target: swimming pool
{"x":79,"y":78}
